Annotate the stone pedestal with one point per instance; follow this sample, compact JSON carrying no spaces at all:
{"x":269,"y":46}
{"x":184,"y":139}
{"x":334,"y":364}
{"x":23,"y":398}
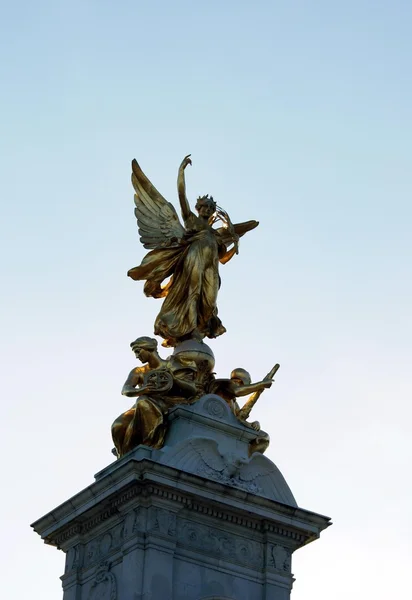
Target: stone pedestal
{"x":197,"y":520}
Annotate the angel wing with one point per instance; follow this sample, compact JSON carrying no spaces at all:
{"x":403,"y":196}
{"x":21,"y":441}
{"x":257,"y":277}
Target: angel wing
{"x":240,"y":230}
{"x":156,"y":218}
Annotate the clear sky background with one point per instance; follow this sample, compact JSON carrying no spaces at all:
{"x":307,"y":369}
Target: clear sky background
{"x":298,"y":114}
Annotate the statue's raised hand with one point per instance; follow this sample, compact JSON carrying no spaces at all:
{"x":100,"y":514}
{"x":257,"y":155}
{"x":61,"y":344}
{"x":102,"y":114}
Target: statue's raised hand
{"x":186,"y":161}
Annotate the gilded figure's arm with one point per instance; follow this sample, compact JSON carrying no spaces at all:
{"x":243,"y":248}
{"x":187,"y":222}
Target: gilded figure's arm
{"x":244,"y":390}
{"x":228,"y":255}
{"x":181,"y":187}
{"x":134,"y":379}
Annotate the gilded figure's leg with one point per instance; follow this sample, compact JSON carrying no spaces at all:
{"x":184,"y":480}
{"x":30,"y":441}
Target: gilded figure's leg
{"x":147,"y":426}
{"x":209,"y":322}
{"x":259,"y":444}
{"x":178,"y":316}
{"x":119,"y":428}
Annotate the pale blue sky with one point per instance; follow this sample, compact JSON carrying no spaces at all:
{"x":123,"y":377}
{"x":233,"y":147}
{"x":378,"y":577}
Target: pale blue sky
{"x":297,"y":114}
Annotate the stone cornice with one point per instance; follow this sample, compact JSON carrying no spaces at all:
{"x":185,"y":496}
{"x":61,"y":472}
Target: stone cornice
{"x":104,"y":500}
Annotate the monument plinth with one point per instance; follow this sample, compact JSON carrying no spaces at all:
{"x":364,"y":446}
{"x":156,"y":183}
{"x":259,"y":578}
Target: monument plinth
{"x":197,"y":519}
{"x":191,"y":509}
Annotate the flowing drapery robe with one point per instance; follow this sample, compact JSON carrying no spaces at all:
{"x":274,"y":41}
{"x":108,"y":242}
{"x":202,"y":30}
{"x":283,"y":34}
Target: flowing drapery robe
{"x":191,"y":293}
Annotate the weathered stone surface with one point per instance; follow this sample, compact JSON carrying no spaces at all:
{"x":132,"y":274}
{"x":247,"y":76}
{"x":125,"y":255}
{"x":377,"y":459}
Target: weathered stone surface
{"x":196,"y":520}
{"x":207,"y":439}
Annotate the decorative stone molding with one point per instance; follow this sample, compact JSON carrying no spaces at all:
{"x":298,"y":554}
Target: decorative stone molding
{"x":215,"y":407}
{"x":104,"y":584}
{"x":221,"y":544}
{"x":73,"y":559}
{"x":98,"y":548}
{"x":162,"y":521}
{"x":67,"y":533}
{"x":279,"y":558}
{"x":287,"y":533}
{"x":132,"y":522}
{"x":111,"y":509}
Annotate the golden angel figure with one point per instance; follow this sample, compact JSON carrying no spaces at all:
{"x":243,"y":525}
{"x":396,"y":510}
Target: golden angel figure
{"x":188,"y":257}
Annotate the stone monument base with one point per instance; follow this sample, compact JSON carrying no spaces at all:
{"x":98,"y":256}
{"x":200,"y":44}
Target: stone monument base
{"x":196,"y":520}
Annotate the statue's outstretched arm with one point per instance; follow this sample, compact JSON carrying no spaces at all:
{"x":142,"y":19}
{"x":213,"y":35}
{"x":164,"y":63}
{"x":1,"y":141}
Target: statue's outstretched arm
{"x":181,"y":187}
{"x":244,"y":390}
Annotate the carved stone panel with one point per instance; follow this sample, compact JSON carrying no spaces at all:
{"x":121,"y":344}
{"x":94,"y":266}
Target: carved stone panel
{"x":279,"y":558}
{"x":132,"y":522}
{"x":104,"y":584}
{"x":162,"y":521}
{"x":100,"y":547}
{"x":215,"y":407}
{"x":218,"y":543}
{"x":73,"y":558}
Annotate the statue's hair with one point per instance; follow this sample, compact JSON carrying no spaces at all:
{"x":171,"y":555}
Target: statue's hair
{"x":204,"y":200}
{"x":145,"y":343}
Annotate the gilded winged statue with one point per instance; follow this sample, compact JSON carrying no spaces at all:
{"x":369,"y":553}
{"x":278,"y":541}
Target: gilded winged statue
{"x":183,"y":263}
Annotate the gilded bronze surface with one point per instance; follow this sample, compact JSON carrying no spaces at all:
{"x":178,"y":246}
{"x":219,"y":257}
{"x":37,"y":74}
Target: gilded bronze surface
{"x":187,"y":256}
{"x":182,"y":267}
{"x":240,"y":385}
{"x":159,"y":385}
{"x":244,"y":412}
